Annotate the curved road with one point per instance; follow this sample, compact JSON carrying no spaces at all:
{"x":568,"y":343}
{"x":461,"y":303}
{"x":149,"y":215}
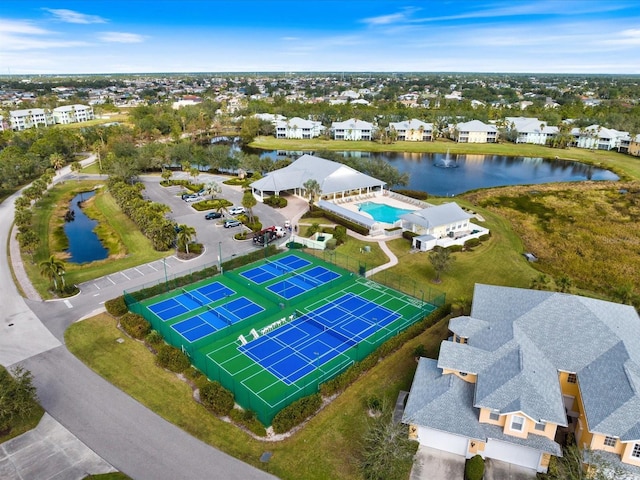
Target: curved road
{"x":126,"y":434}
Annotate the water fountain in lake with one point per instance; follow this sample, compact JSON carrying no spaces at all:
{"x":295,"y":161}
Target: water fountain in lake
{"x":446,"y":162}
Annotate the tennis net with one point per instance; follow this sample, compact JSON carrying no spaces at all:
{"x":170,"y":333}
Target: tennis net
{"x":334,"y":333}
{"x":228,"y":317}
{"x":278,"y":266}
{"x":314,"y":282}
{"x":193,"y":297}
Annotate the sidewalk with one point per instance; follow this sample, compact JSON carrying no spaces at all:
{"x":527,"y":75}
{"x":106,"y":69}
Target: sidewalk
{"x":49,"y":451}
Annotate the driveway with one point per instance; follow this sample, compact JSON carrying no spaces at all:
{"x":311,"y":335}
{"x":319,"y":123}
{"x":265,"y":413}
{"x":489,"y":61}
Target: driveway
{"x":497,"y":470}
{"x":432,"y":464}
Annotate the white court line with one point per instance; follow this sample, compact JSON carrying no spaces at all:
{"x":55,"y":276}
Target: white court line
{"x":123,"y":274}
{"x":109,"y":278}
{"x":136,"y":269}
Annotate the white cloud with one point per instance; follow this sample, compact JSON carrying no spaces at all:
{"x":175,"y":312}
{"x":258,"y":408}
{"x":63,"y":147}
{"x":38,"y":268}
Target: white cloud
{"x":71,"y":16}
{"x":20,"y":27}
{"x":400,"y":17}
{"x":23,"y":35}
{"x":121,"y":37}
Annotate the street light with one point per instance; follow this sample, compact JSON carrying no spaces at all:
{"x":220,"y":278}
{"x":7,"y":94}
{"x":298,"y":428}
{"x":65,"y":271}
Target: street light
{"x":220,"y":256}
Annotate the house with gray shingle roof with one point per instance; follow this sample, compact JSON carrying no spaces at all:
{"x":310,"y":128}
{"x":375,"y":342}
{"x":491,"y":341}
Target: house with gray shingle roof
{"x":413,"y":130}
{"x":353,"y":129}
{"x":526,"y":365}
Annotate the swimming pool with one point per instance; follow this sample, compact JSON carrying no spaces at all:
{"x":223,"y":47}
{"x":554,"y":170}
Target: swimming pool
{"x":382,"y":212}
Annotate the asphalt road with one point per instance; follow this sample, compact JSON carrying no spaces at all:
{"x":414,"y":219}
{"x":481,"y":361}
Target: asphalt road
{"x":119,"y":429}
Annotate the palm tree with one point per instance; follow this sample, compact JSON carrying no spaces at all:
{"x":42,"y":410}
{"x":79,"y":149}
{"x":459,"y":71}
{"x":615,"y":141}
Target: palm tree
{"x":312,"y":187}
{"x":213,"y":189}
{"x":53,"y":269}
{"x":56,"y":160}
{"x":76,"y":167}
{"x":185,"y":234}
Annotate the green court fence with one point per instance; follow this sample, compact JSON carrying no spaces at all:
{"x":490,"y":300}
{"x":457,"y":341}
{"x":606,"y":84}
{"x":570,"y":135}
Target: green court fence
{"x":253,"y":387}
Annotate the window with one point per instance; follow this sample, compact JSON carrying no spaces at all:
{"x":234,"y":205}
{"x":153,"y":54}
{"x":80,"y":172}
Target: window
{"x":540,"y":426}
{"x":636,"y":451}
{"x":572,"y":378}
{"x":609,"y":442}
{"x":494,"y":415}
{"x":517,"y":423}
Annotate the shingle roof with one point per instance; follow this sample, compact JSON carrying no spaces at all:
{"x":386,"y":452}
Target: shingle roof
{"x":475,"y":126}
{"x":437,"y":216}
{"x":333,"y":177}
{"x":529,"y":335}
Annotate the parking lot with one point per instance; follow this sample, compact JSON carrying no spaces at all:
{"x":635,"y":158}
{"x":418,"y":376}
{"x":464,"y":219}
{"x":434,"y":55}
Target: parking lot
{"x":215,"y":239}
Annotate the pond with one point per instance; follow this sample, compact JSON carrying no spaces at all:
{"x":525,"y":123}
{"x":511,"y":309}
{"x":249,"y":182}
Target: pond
{"x":444,"y":174}
{"x":84,"y":244}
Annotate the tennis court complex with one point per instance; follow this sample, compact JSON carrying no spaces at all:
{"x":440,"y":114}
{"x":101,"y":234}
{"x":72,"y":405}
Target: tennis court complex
{"x":273,"y":331}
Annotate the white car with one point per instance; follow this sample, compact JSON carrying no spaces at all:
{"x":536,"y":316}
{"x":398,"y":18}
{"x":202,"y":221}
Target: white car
{"x":236,"y":210}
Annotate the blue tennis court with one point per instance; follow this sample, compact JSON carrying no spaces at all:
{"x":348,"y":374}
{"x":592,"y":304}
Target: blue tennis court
{"x":297,"y":348}
{"x":190,"y":300}
{"x":300,"y":282}
{"x":216,"y":318}
{"x":273,"y":269}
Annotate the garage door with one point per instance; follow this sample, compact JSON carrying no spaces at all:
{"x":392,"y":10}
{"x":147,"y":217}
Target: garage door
{"x":516,"y":454}
{"x":443,"y":441}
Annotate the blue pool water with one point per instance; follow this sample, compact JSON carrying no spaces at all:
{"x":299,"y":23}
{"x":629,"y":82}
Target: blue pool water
{"x":381,"y":212}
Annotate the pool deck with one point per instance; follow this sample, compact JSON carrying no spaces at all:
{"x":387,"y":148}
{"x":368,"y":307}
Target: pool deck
{"x":351,"y":203}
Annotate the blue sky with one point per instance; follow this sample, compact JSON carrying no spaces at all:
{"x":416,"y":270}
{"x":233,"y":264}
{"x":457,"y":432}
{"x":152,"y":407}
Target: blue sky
{"x":96,"y":36}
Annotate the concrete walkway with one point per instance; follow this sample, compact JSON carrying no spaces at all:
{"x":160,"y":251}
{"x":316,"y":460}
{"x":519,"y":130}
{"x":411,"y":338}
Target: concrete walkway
{"x":49,"y":451}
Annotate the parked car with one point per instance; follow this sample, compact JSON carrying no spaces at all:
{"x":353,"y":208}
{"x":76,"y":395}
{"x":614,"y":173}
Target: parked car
{"x":192,"y":198}
{"x":236,"y":210}
{"x":232,"y":223}
{"x":213,"y":215}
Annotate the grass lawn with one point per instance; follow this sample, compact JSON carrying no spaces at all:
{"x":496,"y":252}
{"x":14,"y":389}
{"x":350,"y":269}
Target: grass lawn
{"x":108,"y":476}
{"x":326,"y":448}
{"x":623,"y":165}
{"x":498,"y":261}
{"x":23,"y":425}
{"x":127,"y":246}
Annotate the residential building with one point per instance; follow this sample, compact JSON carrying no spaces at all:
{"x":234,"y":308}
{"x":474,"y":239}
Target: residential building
{"x":476,"y":131}
{"x":297,"y":127}
{"x":526,"y":368}
{"x":531,"y":130}
{"x":30,"y":118}
{"x":72,"y":114}
{"x":413,"y":130}
{"x":630,"y":145}
{"x":596,"y":137}
{"x":352,"y":129}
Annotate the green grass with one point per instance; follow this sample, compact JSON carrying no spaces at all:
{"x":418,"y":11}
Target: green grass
{"x":498,"y":261}
{"x":108,"y":476}
{"x":624,"y":165}
{"x":326,"y":448}
{"x":128,"y":247}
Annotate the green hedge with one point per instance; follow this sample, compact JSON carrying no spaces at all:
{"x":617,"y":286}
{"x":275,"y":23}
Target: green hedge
{"x":248,"y":419}
{"x":251,"y":257}
{"x":172,"y":359}
{"x":116,"y":306}
{"x":417,"y":194}
{"x":314,"y":211}
{"x":194,"y":187}
{"x":296,"y":413}
{"x":135,"y":325}
{"x":474,"y":468}
{"x":216,"y":398}
{"x":276,"y":201}
{"x":472,"y":242}
{"x":409,"y":235}
{"x":211,"y":204}
{"x":342,"y":381}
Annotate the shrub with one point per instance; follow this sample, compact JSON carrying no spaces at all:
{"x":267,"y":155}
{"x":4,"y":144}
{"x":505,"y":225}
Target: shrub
{"x":485,"y":237}
{"x":472,"y":242}
{"x":116,"y":306}
{"x":276,"y":201}
{"x":455,"y":248}
{"x":331,"y":244}
{"x":296,"y":413}
{"x":315,"y":211}
{"x":409,"y":235}
{"x":419,"y":351}
{"x":340,"y":234}
{"x":216,"y":398}
{"x":153,"y":338}
{"x":255,"y":226}
{"x":195,"y":248}
{"x":374,"y":403}
{"x":474,"y":468}
{"x":417,"y":194}
{"x":247,"y":418}
{"x":135,"y":325}
{"x":172,"y":359}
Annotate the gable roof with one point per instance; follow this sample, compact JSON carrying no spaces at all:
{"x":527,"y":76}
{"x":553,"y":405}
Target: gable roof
{"x":525,"y":337}
{"x":333,"y":177}
{"x":413,"y":124}
{"x":475,"y":126}
{"x":432,"y":217}
{"x":352,"y":124}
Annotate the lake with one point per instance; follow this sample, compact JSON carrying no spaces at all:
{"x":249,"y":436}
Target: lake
{"x":84,"y":244}
{"x":470,"y":172}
